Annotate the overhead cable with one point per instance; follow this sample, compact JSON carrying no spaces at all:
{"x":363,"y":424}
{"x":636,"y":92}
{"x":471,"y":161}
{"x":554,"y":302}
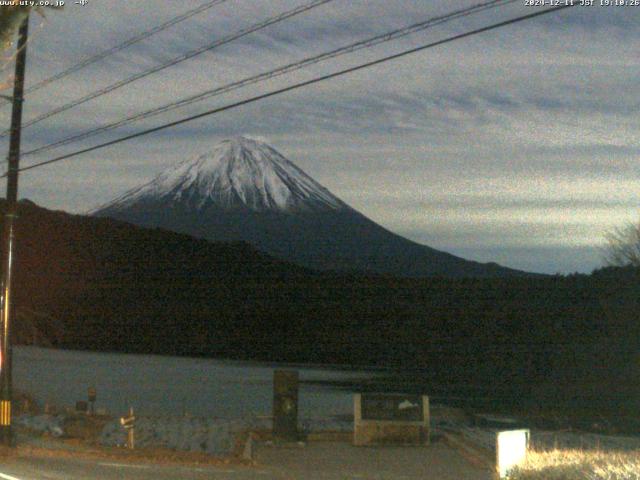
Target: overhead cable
{"x":291,"y":67}
{"x":298,"y":85}
{"x":174,"y":61}
{"x":117,"y":48}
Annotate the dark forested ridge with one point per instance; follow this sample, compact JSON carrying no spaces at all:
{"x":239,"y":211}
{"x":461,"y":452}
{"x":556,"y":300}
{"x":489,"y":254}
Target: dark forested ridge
{"x":99,"y":284}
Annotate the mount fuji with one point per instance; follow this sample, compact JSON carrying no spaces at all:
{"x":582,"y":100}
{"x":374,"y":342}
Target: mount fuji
{"x":244,"y":190}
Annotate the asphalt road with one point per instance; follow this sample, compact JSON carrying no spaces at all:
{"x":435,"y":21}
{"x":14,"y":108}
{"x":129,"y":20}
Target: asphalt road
{"x":81,"y":469}
{"x":316,"y":460}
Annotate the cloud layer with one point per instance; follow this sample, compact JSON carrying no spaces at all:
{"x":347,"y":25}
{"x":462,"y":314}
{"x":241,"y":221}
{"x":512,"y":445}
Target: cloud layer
{"x":518,"y":146}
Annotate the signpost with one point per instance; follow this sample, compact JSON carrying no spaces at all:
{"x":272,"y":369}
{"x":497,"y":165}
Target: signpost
{"x":285,"y":405}
{"x":91,"y":396}
{"x":382,"y":418}
{"x":129,"y":425}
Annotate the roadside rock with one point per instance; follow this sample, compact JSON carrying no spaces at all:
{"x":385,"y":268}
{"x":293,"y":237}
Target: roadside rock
{"x":50,"y":424}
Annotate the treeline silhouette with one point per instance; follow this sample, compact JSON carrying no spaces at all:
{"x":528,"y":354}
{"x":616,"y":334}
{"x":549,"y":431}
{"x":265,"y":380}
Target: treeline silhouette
{"x":567,"y":342}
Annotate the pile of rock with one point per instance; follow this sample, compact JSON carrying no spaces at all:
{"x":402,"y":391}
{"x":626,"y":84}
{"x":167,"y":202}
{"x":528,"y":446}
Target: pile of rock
{"x":43,"y":424}
{"x":213,"y":436}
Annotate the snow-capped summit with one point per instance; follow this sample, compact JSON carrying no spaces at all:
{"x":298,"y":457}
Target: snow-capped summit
{"x":244,"y":190}
{"x":239,"y":173}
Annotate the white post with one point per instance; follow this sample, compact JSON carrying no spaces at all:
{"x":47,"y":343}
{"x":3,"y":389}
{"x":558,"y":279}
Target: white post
{"x":511,"y":450}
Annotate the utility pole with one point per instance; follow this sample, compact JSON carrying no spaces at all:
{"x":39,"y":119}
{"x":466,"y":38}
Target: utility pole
{"x":8,"y":239}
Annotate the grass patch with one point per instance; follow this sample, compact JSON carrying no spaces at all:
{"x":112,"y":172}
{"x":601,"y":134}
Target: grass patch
{"x":579,"y":465}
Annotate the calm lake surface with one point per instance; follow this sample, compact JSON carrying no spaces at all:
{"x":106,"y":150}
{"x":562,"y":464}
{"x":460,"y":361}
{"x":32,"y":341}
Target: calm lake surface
{"x":156,"y":385}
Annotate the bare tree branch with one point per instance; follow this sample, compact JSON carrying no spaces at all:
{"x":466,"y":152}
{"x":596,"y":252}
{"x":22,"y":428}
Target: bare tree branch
{"x":623,"y":246}
{"x":11,"y":16}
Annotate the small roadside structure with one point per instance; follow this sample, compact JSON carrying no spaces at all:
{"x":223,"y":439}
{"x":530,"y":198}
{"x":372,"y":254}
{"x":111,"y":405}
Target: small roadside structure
{"x":511,"y":450}
{"x":285,"y":405}
{"x":384,"y":418}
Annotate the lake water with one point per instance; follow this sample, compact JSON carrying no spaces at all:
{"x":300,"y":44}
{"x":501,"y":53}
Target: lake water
{"x":156,"y":385}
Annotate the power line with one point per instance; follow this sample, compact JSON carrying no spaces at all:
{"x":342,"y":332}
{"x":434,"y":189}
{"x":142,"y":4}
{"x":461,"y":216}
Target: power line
{"x":297,"y":86}
{"x":117,"y":48}
{"x":191,"y":54}
{"x":353,"y":47}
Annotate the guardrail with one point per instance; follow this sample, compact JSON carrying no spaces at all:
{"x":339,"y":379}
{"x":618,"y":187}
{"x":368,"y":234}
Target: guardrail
{"x":541,"y":440}
{"x":572,"y":440}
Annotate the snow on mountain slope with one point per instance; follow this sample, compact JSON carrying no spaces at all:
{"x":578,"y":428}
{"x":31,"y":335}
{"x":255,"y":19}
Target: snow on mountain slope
{"x":237,"y":174}
{"x":244,"y":190}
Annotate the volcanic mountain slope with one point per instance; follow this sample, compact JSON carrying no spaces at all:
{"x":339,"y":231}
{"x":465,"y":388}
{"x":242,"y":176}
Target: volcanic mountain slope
{"x":244,"y":190}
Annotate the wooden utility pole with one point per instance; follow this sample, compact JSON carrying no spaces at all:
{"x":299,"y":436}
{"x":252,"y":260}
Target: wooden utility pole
{"x":8,"y":239}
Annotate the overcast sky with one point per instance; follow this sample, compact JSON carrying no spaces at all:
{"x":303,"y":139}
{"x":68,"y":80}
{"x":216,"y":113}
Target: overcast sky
{"x":518,"y":146}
